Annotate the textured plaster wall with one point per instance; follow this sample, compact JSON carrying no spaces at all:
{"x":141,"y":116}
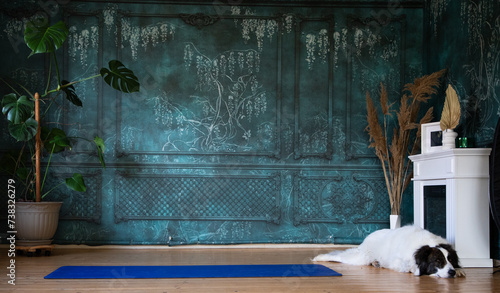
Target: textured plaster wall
{"x":249,"y":127}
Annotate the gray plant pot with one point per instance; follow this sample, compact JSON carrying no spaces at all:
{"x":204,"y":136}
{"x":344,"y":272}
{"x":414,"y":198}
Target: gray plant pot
{"x":36,"y":222}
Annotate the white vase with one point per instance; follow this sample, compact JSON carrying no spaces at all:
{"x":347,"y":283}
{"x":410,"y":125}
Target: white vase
{"x":449,"y":137}
{"x":395,"y":221}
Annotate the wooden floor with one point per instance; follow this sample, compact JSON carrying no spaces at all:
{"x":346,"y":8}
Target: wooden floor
{"x":31,"y":270}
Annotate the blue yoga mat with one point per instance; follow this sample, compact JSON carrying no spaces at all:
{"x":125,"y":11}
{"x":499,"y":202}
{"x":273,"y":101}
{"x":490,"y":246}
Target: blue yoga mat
{"x":203,"y":271}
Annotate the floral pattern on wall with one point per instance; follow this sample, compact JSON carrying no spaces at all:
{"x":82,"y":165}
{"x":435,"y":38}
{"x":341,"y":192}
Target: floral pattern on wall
{"x":230,"y":97}
{"x":474,"y":61}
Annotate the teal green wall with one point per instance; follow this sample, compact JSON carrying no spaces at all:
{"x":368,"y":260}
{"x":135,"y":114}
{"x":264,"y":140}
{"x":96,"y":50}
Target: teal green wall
{"x":464,"y":37}
{"x":249,"y":128}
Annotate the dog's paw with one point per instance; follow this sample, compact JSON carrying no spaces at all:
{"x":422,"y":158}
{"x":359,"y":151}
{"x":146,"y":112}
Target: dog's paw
{"x":460,"y":272}
{"x":376,"y":264}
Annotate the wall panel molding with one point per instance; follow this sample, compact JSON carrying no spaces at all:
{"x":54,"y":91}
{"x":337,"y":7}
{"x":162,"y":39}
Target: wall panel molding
{"x":369,"y":78}
{"x":338,"y":199}
{"x":226,"y":123}
{"x":79,"y":206}
{"x":194,"y":198}
{"x":303,"y":131}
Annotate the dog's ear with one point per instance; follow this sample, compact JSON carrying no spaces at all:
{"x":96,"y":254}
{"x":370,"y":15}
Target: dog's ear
{"x":452,"y":255}
{"x":422,"y":254}
{"x":422,"y":259}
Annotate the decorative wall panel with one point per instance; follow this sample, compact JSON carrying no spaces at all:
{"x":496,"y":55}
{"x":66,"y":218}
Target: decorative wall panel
{"x":76,"y":205}
{"x":375,"y":55}
{"x":339,"y":199}
{"x":185,"y":197}
{"x":84,"y":50}
{"x":314,"y":88}
{"x":207,"y":96}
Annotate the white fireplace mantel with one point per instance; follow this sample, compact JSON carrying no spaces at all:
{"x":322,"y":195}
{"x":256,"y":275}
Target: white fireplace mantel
{"x":465,"y":173}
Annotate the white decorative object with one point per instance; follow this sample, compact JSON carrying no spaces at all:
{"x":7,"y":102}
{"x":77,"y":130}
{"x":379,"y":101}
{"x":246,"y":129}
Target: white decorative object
{"x":449,"y":137}
{"x":431,"y":137}
{"x":395,"y":221}
{"x":465,"y":174}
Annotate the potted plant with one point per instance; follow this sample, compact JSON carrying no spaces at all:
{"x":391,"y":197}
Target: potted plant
{"x":23,"y":112}
{"x":398,"y":136}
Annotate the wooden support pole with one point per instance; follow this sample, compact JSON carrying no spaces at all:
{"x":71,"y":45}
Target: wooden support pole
{"x":38,"y":149}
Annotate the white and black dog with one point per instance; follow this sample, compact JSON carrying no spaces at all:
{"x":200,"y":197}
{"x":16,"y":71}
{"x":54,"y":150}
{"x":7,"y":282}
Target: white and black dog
{"x":407,"y":249}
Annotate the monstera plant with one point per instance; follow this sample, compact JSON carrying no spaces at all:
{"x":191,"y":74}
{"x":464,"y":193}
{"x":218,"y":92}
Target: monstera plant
{"x":25,"y":116}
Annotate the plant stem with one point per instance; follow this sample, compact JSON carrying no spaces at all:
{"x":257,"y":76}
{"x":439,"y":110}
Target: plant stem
{"x":48,"y":78}
{"x":47,"y":168}
{"x":45,"y":194}
{"x":87,"y":78}
{"x":20,"y":85}
{"x":72,"y":83}
{"x":57,"y":70}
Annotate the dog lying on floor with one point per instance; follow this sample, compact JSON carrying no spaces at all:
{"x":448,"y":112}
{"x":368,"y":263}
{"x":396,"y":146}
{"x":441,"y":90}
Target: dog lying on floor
{"x":406,"y":249}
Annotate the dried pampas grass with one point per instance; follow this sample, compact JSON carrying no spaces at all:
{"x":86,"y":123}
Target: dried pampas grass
{"x":450,"y":117}
{"x":405,"y":139}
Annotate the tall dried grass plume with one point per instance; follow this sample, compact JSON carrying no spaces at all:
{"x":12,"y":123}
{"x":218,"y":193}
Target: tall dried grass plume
{"x":394,"y":142}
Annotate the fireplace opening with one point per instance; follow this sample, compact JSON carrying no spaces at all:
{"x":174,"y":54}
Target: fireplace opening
{"x":435,"y":209}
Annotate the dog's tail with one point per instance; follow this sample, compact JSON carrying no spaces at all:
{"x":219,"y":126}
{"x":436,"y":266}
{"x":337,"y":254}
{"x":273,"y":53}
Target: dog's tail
{"x":351,"y":256}
{"x":332,"y":256}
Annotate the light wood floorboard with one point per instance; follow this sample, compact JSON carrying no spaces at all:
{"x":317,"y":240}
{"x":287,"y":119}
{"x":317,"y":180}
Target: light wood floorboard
{"x":31,"y":270}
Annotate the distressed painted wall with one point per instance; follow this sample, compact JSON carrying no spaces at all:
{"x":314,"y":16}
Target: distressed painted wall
{"x":465,"y":38}
{"x":249,"y":127}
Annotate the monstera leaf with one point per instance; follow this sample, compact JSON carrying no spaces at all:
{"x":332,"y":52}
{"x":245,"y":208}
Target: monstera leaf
{"x":23,"y":131}
{"x":70,"y":92}
{"x":42,"y":38}
{"x":17,"y":110}
{"x":76,"y":183}
{"x":55,"y":140}
{"x":120,"y":77}
{"x":99,"y":142}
